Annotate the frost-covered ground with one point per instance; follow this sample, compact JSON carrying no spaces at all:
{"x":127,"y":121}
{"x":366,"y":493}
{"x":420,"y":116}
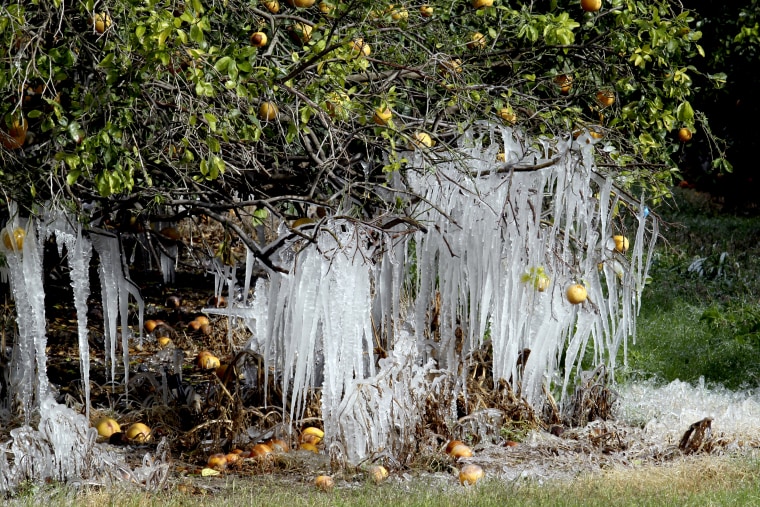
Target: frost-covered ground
{"x":651,"y":420}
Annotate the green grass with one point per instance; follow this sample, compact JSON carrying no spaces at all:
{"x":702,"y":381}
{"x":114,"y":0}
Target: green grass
{"x":702,"y":324}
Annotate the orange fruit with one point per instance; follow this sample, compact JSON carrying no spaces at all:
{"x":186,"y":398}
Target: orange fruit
{"x":591,"y":5}
{"x":684,"y":135}
{"x":470,"y":474}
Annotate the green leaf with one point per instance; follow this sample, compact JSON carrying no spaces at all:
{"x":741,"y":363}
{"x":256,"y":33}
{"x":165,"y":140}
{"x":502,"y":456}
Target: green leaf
{"x":684,"y":112}
{"x":196,"y":34}
{"x":222,"y":64}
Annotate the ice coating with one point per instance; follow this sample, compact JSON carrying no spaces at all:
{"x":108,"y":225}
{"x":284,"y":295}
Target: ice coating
{"x":116,"y":289}
{"x":485,"y":228}
{"x":666,"y":410}
{"x":28,"y":368}
{"x":79,"y":253}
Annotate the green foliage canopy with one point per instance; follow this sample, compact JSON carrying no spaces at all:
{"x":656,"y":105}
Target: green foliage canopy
{"x":162,"y":108}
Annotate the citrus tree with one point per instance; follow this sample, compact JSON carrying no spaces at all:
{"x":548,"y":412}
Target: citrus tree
{"x":204,"y":106}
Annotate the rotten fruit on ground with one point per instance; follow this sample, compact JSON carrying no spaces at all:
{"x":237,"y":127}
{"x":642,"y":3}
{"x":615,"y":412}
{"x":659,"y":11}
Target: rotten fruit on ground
{"x":312,"y":435}
{"x":217,"y":461}
{"x":461,"y":451}
{"x":260,"y":451}
{"x":470,"y":474}
{"x":451,"y":445}
{"x":378,"y":473}
{"x":138,"y":432}
{"x":277,"y":445}
{"x":14,"y":240}
{"x":576,"y":294}
{"x":207,"y":361}
{"x":324,"y":482}
{"x":308,"y":447}
{"x":107,"y":427}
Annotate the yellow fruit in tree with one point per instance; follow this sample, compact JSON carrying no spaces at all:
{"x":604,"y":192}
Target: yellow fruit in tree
{"x":302,"y":32}
{"x":621,"y":243}
{"x":15,"y":137}
{"x":301,"y":4}
{"x":426,"y":11}
{"x":420,"y":140}
{"x":507,"y":114}
{"x":272,"y":6}
{"x":336,"y":105}
{"x":101,"y":21}
{"x":14,"y":240}
{"x":324,"y":482}
{"x":268,"y":111}
{"x":325,"y":7}
{"x":138,"y":432}
{"x":470,"y":474}
{"x":684,"y":135}
{"x":382,"y":115}
{"x":477,"y":41}
{"x":501,"y":157}
{"x":453,"y":66}
{"x":378,"y":473}
{"x":542,"y":283}
{"x":107,"y":427}
{"x":605,"y":97}
{"x":359,"y":47}
{"x":400,"y":14}
{"x":591,"y":5}
{"x":576,"y":294}
{"x":259,"y":39}
{"x":565,"y":83}
{"x":481,"y":4}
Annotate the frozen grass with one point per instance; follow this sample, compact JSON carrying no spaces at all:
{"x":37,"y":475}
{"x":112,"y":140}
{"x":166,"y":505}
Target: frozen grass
{"x":701,"y":481}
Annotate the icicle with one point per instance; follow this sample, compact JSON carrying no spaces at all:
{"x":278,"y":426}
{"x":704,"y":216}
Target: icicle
{"x":116,"y":288}
{"x":28,"y":368}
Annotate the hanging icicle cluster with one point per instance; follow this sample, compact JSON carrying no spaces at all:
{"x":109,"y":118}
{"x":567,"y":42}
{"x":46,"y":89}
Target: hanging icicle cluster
{"x":502,"y":242}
